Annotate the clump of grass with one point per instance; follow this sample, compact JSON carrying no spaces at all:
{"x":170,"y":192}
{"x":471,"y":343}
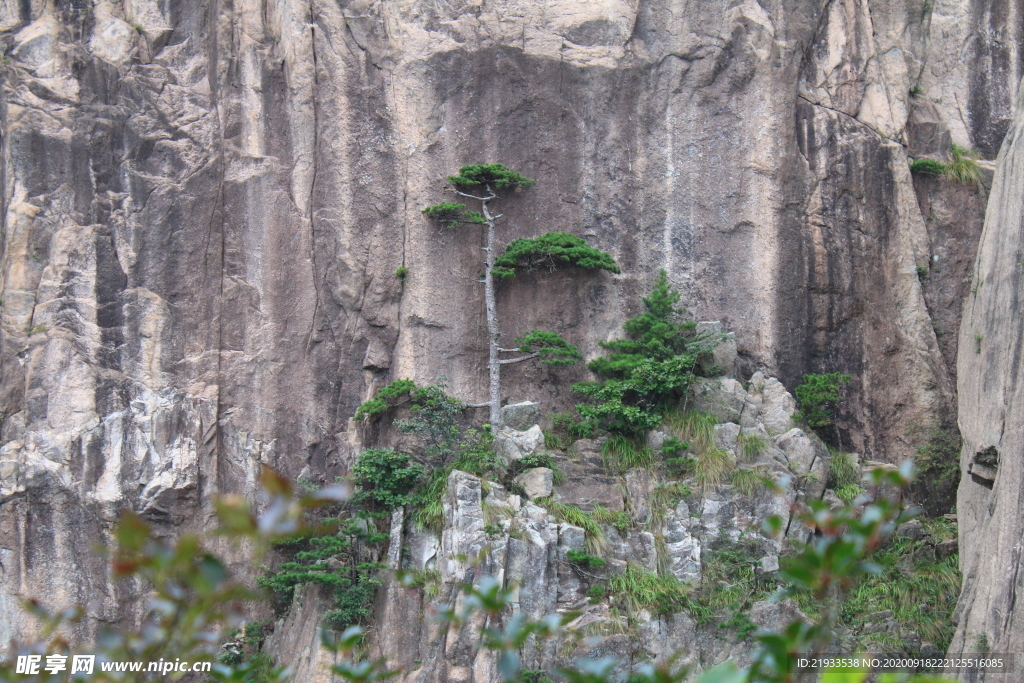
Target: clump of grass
{"x":749,"y":481}
{"x":729,"y":581}
{"x":669,"y":495}
{"x":596,"y":542}
{"x":616,"y":518}
{"x":842,"y":471}
{"x":623,"y":453}
{"x":567,"y":428}
{"x":921,"y":594}
{"x":695,"y":428}
{"x":751,"y":445}
{"x":963,"y":168}
{"x":637,"y":588}
{"x":848,"y":493}
{"x":927,"y":167}
{"x":401,"y":273}
{"x":711,"y":468}
{"x":428,"y":580}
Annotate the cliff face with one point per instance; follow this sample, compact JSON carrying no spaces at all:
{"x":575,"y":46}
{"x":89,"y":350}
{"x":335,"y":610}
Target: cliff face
{"x":992,"y":419}
{"x":205,"y":204}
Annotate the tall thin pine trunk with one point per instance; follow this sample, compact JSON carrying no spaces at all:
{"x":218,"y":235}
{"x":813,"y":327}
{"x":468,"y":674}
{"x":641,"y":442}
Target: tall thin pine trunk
{"x":493,"y":332}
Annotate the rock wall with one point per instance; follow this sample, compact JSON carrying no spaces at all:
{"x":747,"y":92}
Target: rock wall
{"x":992,"y":419}
{"x":204,"y":205}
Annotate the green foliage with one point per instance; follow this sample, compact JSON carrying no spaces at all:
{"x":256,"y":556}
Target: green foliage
{"x":696,"y":428}
{"x":849,"y":493}
{"x":920,"y":590}
{"x":452,"y":214}
{"x":938,"y":465}
{"x":842,"y":470}
{"x":550,"y":347}
{"x":619,"y":519}
{"x":401,"y":272}
{"x":673,"y":446}
{"x":749,"y":481}
{"x":474,"y":453}
{"x":387,"y":397}
{"x":495,"y":176}
{"x":817,"y":397}
{"x":427,"y":580}
{"x":963,"y":168}
{"x":927,"y":166}
{"x":385,"y":478}
{"x":637,"y":588}
{"x":584,"y":560}
{"x":595,"y":539}
{"x":623,"y":453}
{"x":751,"y":445}
{"x":535,"y":676}
{"x":922,"y":273}
{"x":711,"y":467}
{"x":551,"y":250}
{"x":649,"y":370}
{"x":336,"y":560}
{"x":729,"y":580}
{"x":434,"y":417}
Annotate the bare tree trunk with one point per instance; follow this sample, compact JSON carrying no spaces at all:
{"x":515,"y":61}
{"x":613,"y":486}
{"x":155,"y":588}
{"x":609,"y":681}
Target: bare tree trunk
{"x":493,"y":331}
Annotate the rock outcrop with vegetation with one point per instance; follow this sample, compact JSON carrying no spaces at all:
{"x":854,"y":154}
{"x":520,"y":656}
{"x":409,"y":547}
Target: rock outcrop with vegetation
{"x":213,"y":250}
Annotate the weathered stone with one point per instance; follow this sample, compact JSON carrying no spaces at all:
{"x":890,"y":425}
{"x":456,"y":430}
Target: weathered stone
{"x":726,"y":436}
{"x":654,"y":439}
{"x":722,"y":397}
{"x":800,"y":449}
{"x":639,"y":484}
{"x":777,"y":407}
{"x":520,"y":416}
{"x":913,"y":530}
{"x":536,"y":482}
{"x":512,"y":444}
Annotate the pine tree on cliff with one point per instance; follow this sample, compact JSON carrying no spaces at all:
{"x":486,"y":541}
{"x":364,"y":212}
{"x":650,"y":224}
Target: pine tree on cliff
{"x":481,"y":183}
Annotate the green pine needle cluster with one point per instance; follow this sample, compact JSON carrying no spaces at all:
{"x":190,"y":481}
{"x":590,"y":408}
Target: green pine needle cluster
{"x":452,"y":214}
{"x":551,"y":250}
{"x":649,"y":371}
{"x":550,"y":348}
{"x":495,"y":176}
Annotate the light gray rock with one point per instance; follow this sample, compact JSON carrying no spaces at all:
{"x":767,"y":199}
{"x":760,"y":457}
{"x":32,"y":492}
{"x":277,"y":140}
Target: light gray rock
{"x":654,"y":439}
{"x":722,"y":397}
{"x":512,"y":444}
{"x":777,"y":407}
{"x":726,"y":436}
{"x":520,"y":416}
{"x":639,"y":484}
{"x":536,"y":482}
{"x":800,"y":449}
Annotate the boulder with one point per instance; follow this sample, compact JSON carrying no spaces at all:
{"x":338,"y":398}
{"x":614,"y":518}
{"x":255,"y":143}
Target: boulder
{"x":800,"y":449}
{"x":777,"y":407}
{"x":722,"y":397}
{"x":520,"y":416}
{"x":536,"y":482}
{"x":513,"y":444}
